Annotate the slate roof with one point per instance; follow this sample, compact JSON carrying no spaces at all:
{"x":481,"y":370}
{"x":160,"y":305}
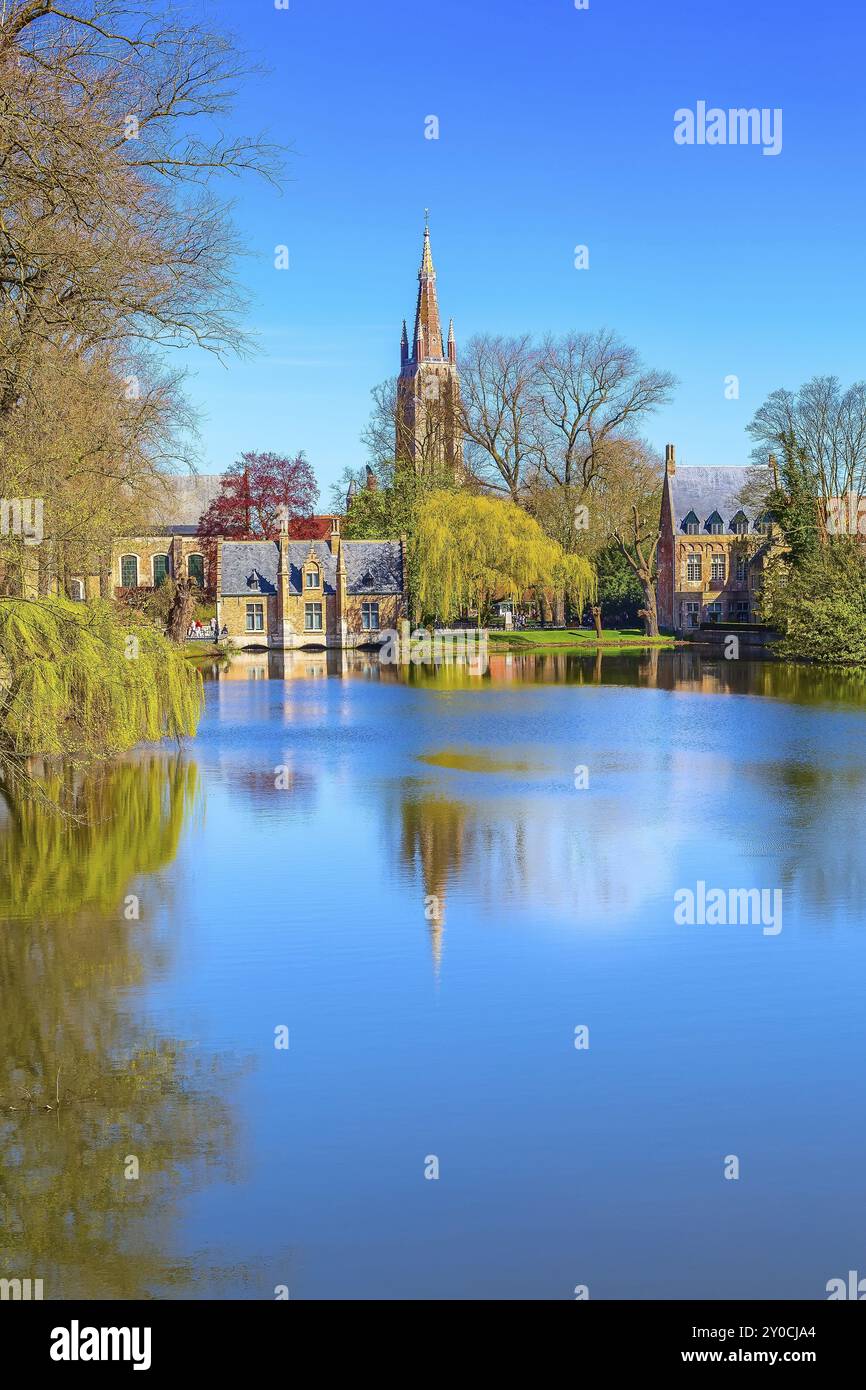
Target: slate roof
{"x":250,"y":567}
{"x":708,"y":490}
{"x":372,"y":567}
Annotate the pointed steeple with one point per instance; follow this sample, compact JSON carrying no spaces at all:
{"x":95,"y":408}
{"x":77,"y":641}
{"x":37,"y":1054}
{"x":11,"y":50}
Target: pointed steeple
{"x":404,"y":345}
{"x":452,"y":342}
{"x":428,"y":329}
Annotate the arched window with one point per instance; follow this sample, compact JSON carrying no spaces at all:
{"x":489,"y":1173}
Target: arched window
{"x":129,"y":571}
{"x":195,"y":569}
{"x":160,"y":570}
{"x":76,"y":590}
{"x":312,"y":577}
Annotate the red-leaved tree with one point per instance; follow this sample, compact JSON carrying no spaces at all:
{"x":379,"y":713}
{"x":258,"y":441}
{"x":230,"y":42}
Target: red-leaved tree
{"x":255,"y":494}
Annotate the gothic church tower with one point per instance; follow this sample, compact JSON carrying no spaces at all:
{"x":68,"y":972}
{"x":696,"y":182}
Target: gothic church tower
{"x":428,"y":388}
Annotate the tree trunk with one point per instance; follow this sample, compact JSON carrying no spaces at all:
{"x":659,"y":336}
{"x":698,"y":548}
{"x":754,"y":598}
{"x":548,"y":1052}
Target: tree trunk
{"x":650,"y":612}
{"x":45,"y":572}
{"x":180,"y":613}
{"x":104,"y":576}
{"x":596,"y":618}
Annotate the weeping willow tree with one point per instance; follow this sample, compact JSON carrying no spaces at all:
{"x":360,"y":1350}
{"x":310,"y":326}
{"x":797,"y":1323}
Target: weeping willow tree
{"x":82,"y":681}
{"x":472,"y":550}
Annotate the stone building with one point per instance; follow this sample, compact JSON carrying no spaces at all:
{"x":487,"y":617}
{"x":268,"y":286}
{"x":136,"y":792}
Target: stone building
{"x":169,"y":548}
{"x":715,"y":539}
{"x":333,"y":593}
{"x":428,"y":432}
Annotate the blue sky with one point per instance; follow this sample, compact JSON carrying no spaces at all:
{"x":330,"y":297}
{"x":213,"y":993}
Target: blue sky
{"x":555,"y":130}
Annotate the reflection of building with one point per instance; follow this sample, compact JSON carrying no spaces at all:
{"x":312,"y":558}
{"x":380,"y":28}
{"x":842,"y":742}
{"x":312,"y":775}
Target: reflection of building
{"x":715,"y":538}
{"x":428,"y":388}
{"x":332,"y":593}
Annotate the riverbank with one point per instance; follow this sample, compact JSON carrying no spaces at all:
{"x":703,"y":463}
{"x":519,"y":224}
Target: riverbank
{"x":574,"y":639}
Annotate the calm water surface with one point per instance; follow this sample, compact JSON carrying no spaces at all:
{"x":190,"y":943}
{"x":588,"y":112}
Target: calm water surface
{"x":282,"y":871}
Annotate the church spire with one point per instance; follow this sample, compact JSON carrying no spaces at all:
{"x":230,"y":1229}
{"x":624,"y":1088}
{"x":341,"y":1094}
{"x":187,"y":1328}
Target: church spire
{"x":428,"y":329}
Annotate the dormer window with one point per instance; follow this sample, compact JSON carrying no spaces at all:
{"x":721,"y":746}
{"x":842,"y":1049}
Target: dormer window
{"x":762,"y":523}
{"x":691,"y":525}
{"x":312,"y":577}
{"x":715,"y":525}
{"x":740,"y":524}
{"x":253,"y":581}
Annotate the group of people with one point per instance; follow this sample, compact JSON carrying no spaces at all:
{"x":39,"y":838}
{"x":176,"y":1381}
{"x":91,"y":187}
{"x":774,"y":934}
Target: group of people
{"x":200,"y":632}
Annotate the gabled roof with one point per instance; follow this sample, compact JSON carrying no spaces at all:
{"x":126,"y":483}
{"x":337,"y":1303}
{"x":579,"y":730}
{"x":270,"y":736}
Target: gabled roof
{"x":374,"y":567}
{"x":708,"y":490}
{"x":251,"y":567}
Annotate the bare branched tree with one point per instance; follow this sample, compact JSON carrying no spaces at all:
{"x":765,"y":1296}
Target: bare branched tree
{"x":501,"y":416}
{"x":638,"y":543}
{"x":112,"y":229}
{"x":593,"y":389}
{"x":116,"y":242}
{"x":823,"y":428}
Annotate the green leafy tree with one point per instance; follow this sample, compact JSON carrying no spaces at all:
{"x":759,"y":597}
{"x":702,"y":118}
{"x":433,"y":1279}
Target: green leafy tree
{"x":794,"y":504}
{"x":819,"y":605}
{"x":472,"y":550}
{"x":620,"y":593}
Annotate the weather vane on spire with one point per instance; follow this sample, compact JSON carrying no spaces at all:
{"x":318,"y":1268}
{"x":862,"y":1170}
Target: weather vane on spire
{"x":427,"y":218}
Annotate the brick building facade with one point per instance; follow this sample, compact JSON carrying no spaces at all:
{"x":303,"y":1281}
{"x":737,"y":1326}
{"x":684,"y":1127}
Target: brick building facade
{"x":714,"y":542}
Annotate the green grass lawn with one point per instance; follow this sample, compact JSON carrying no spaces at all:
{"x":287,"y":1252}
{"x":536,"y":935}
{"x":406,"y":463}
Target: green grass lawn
{"x":577,"y":637}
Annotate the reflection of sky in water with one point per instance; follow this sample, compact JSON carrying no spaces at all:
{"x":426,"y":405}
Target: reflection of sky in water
{"x":305,"y":907}
{"x":410,"y":1038}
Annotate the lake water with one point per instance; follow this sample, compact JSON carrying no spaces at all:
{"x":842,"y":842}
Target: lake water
{"x":399,"y":870}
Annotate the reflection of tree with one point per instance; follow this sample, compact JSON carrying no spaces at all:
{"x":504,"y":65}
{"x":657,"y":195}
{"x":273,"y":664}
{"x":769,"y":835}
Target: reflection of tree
{"x":81,"y":1085}
{"x":682,"y":669}
{"x":819,"y":853}
{"x":120,"y":820}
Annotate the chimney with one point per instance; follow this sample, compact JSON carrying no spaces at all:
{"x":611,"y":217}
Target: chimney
{"x":334,"y":537}
{"x":670,"y":459}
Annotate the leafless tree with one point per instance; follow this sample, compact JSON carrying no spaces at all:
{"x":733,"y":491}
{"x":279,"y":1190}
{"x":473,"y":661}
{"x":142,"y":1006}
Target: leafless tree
{"x":593,"y":391}
{"x":500,"y":413}
{"x":639,"y":543}
{"x":823,"y":428}
{"x":112,"y":228}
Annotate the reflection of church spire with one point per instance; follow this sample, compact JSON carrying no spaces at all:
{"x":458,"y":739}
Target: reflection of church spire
{"x":434,"y":911}
{"x":433,"y":840}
